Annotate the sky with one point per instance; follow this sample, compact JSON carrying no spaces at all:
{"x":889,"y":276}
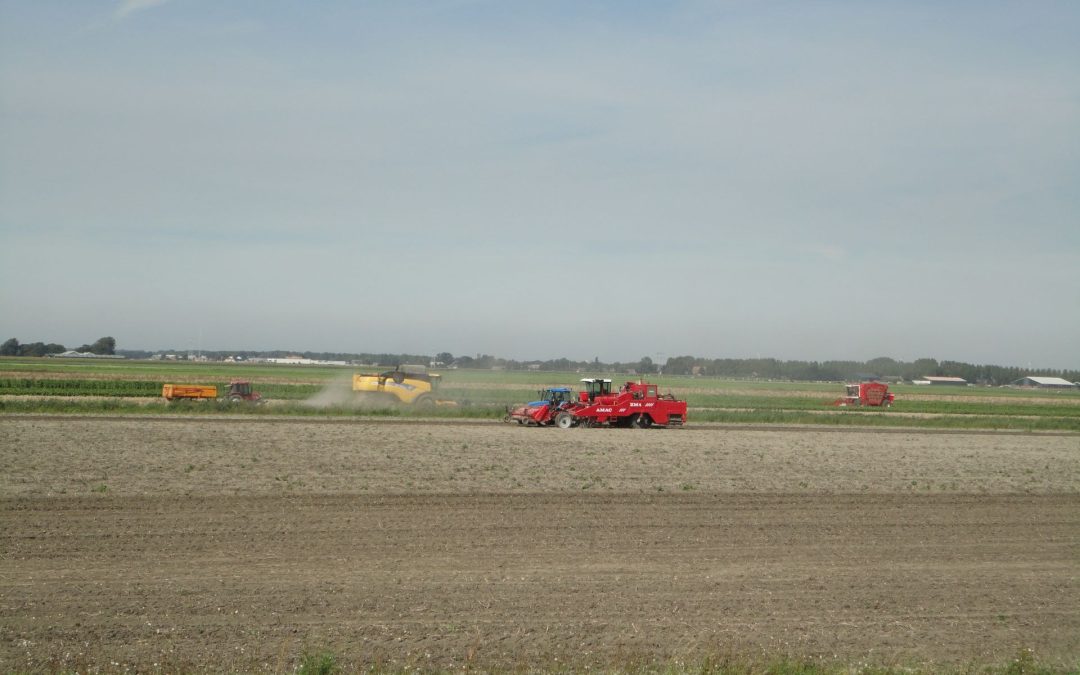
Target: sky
{"x":535,"y":180}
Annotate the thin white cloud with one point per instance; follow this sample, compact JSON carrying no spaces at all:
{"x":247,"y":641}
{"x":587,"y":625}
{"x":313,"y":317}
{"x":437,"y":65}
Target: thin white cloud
{"x":128,"y":7}
{"x":829,"y":252}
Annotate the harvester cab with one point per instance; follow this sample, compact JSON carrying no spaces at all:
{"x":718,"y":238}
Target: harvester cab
{"x":594,"y":387}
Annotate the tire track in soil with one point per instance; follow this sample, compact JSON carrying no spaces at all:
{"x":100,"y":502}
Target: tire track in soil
{"x":500,"y":580}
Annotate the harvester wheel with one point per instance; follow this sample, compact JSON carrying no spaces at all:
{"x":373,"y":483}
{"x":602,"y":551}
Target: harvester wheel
{"x":425,"y":402}
{"x":641,"y":421}
{"x":564,"y":420}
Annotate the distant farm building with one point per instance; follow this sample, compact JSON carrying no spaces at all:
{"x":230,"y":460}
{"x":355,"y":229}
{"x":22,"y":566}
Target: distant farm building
{"x":301,"y":361}
{"x":1043,"y":382}
{"x":937,"y":380}
{"x":72,"y":354}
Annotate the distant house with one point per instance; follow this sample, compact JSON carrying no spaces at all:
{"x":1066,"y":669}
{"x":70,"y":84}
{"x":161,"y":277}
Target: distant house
{"x":937,"y":380}
{"x":301,"y":361}
{"x":1043,"y":382}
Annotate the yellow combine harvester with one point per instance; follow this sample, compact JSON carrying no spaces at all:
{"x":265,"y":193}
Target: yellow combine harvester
{"x":402,"y":386}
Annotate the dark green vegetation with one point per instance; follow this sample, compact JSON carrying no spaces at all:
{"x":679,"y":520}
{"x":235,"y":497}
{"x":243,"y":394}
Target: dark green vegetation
{"x":73,"y":386}
{"x":12,"y":347}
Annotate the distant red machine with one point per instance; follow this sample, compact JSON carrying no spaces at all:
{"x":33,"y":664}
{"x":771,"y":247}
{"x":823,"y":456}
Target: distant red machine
{"x":866,"y":393}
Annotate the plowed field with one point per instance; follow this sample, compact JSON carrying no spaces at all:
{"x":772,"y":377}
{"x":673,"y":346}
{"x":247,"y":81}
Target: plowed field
{"x":197,"y":544}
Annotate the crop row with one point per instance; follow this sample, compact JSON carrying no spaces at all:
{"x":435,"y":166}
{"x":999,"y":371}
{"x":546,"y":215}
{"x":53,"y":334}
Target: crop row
{"x":132,"y":388}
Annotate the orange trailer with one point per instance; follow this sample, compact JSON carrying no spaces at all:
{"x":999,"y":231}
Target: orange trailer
{"x":173,"y":392}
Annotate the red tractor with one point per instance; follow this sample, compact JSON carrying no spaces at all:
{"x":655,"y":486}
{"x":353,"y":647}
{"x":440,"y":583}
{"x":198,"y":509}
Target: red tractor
{"x":636,"y":404}
{"x":240,"y":390}
{"x":866,"y":393}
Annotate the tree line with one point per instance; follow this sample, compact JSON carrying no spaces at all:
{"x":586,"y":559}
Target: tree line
{"x":775,"y":369}
{"x":758,"y":368}
{"x":105,"y":346}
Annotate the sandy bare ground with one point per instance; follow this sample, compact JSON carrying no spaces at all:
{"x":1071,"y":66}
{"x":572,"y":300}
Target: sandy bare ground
{"x":153,"y":457}
{"x":241,"y":545}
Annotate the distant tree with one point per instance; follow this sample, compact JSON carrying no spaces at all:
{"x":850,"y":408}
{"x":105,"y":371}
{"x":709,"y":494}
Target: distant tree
{"x":444,"y":357}
{"x":559,"y":365}
{"x":883,"y":365}
{"x":680,"y":365}
{"x":103,"y":346}
{"x":923,"y":367}
{"x":10,"y":348}
{"x":32,"y":349}
{"x":645,"y":366}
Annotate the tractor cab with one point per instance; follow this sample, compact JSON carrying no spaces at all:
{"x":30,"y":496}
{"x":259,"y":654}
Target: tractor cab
{"x":594,"y":386}
{"x":557,"y":396}
{"x":553,"y":397}
{"x":240,"y":390}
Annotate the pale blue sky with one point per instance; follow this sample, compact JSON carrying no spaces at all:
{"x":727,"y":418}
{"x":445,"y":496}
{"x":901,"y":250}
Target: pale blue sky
{"x":533,"y":180}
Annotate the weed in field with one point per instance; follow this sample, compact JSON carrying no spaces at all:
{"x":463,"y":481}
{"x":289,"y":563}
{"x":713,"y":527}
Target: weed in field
{"x":318,"y":664}
{"x":100,"y":489}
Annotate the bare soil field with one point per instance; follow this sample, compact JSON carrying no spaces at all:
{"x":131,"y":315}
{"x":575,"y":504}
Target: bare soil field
{"x":166,"y":544}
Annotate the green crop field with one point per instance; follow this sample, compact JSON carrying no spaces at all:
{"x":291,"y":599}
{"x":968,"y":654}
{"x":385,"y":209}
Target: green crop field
{"x":134,"y":387}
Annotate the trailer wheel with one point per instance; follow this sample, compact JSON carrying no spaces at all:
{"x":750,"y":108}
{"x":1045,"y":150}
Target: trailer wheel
{"x":564,"y":420}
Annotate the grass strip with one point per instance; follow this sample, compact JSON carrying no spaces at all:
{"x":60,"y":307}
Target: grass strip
{"x":107,"y":406}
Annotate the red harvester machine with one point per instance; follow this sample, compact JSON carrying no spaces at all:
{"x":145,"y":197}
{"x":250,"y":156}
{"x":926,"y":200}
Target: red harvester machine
{"x":635,"y":405}
{"x":866,"y":393}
